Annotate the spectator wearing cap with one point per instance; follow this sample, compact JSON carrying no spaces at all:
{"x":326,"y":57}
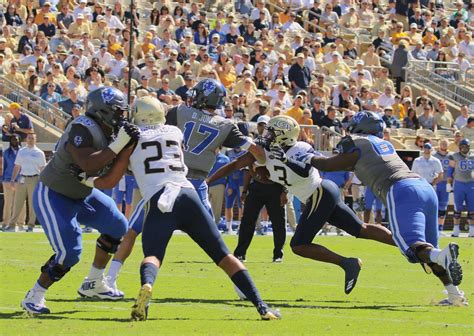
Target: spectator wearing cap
{"x":427,"y":166}
{"x":359,"y":67}
{"x":83,"y":9}
{"x":73,"y":100}
{"x":345,"y":99}
{"x":20,"y":123}
{"x":259,"y":7}
{"x":103,"y":55}
{"x":296,"y":111}
{"x":413,"y":35}
{"x":175,"y":79}
{"x":429,"y":37}
{"x":262,"y":111}
{"x":417,"y":19}
{"x":46,"y":9}
{"x":336,"y":67}
{"x":262,"y":22}
{"x":65,"y":17}
{"x":299,"y":74}
{"x":330,"y":120}
{"x":382,"y":81}
{"x":182,"y":91}
{"x":26,"y":40}
{"x":79,"y":27}
{"x":50,"y":95}
{"x":283,"y":99}
{"x":47,"y":27}
{"x":238,"y":108}
{"x":218,"y":31}
{"x":113,"y":22}
{"x":238,"y":48}
{"x":100,"y":30}
{"x":390,"y":120}
{"x":32,"y":59}
{"x":366,"y":14}
{"x":418,"y":53}
{"x":144,"y":85}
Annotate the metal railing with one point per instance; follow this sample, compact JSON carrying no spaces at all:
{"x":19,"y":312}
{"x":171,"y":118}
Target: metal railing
{"x":33,"y":105}
{"x":444,"y":78}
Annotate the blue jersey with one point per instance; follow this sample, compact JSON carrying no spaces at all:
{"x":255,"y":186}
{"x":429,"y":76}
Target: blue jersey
{"x":221,"y":160}
{"x":444,"y":159}
{"x":236,"y":179}
{"x":338,"y":177}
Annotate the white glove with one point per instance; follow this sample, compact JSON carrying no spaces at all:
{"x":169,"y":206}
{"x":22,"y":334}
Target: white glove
{"x":120,"y":141}
{"x":89,"y":182}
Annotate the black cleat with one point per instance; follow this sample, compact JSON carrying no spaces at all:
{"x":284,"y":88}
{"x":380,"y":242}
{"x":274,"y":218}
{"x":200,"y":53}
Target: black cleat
{"x":266,"y":313}
{"x":352,"y":267}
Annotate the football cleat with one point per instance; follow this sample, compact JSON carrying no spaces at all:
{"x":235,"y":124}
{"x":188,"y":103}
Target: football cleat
{"x":278,"y":260}
{"x":34,"y":304}
{"x":98,"y":288}
{"x":114,"y":287}
{"x":352,"y":267}
{"x":140,"y":308}
{"x":266,"y":313}
{"x":448,"y":259}
{"x":455,"y":300}
{"x":241,"y":258}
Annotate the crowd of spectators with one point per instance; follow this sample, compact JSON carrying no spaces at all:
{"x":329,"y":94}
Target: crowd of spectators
{"x":301,"y":61}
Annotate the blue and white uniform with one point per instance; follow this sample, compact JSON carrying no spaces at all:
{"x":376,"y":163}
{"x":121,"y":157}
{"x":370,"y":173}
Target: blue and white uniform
{"x":61,"y":202}
{"x":234,"y":181}
{"x":370,"y":199}
{"x":463,"y":177}
{"x":441,"y":187}
{"x":410,"y":200}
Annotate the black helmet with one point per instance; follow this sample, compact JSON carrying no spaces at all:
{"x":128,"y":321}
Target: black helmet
{"x":208,"y":93}
{"x":366,"y":122}
{"x":107,"y":105}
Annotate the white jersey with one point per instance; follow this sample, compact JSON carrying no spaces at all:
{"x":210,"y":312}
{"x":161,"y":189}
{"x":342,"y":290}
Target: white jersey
{"x":158,"y":160}
{"x":300,"y":179}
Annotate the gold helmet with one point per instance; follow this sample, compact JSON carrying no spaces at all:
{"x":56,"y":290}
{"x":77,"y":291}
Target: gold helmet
{"x":283,"y":131}
{"x":148,"y":111}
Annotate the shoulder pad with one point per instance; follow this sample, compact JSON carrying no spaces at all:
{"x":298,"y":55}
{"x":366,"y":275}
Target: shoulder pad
{"x":346,"y":145}
{"x":85,"y":121}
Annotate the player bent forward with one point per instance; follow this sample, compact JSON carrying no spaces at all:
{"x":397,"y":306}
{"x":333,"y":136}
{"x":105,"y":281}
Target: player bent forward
{"x":172,"y":204}
{"x":410,"y":200}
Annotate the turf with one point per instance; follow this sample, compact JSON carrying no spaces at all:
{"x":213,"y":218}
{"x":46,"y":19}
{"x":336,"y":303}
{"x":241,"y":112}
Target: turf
{"x":192,"y":296}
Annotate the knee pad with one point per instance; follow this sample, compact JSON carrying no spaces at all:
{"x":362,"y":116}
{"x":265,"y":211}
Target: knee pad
{"x":437,"y":270}
{"x":470,"y":215}
{"x":54,"y":270}
{"x":457,"y":214}
{"x":441,"y":213}
{"x":104,"y":239}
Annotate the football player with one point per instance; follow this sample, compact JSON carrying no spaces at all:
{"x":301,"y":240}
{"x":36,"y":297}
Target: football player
{"x":461,"y":177}
{"x":284,"y":157}
{"x":61,"y":202}
{"x":171,"y":203}
{"x":411,"y":201}
{"x":442,"y":186}
{"x":204,"y":131}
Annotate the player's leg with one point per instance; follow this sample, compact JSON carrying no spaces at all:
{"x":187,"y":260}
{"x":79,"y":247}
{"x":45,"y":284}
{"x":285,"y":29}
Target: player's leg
{"x":203,"y":231}
{"x":118,"y":197}
{"x":216,"y":195}
{"x":202,"y":189}
{"x":230,"y":197}
{"x":290,"y":212}
{"x":253,"y":205}
{"x":412,"y":205}
{"x":369,"y":198}
{"x":100,"y":212}
{"x":56,"y":213}
{"x":277,"y":217}
{"x":126,"y":246}
{"x":157,"y":232}
{"x":459,"y":197}
{"x":443,"y":196}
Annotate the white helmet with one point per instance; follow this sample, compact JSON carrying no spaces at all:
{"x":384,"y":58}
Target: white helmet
{"x":148,"y":111}
{"x":283,"y":131}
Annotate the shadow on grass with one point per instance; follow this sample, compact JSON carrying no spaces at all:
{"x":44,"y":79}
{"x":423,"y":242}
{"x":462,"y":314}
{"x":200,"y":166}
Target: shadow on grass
{"x":80,"y":299}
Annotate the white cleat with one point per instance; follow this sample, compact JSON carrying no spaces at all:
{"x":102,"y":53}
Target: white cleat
{"x":448,"y":259}
{"x":34,"y":304}
{"x":98,"y":288}
{"x":455,"y":300}
{"x":114,"y":287}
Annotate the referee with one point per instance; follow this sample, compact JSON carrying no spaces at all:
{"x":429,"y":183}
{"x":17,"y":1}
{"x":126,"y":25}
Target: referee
{"x":256,"y":195}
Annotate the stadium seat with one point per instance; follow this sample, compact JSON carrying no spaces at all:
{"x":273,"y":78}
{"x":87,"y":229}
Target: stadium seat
{"x":406,"y":132}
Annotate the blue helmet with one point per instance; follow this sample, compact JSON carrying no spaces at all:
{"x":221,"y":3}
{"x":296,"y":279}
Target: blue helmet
{"x":464,"y":146}
{"x":208,"y":93}
{"x":366,"y":122}
{"x":464,"y":142}
{"x":107,"y":105}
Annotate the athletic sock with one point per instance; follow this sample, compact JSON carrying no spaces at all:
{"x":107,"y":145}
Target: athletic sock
{"x":39,"y":290}
{"x":148,"y":272}
{"x":452,"y":290}
{"x":229,"y":226}
{"x":244,"y":282}
{"x":434,"y":254}
{"x":96,"y":273}
{"x":456,"y":229}
{"x":114,"y":269}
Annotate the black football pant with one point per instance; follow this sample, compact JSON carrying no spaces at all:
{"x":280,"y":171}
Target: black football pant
{"x":260,"y":195}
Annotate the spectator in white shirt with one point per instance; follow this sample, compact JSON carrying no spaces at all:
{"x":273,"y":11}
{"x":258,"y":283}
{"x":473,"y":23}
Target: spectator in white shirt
{"x":461,"y":120}
{"x":292,"y":26}
{"x":260,"y":6}
{"x":387,"y":98}
{"x":116,"y":66}
{"x":103,"y":55}
{"x":428,"y":167}
{"x":29,"y":163}
{"x":360,"y":68}
{"x":113,"y":22}
{"x":83,"y":9}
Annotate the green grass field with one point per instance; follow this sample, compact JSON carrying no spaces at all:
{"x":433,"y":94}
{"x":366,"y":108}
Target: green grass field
{"x":192,"y":296}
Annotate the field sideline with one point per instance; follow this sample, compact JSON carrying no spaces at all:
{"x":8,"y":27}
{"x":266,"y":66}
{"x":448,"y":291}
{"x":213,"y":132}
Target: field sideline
{"x":192,"y":296}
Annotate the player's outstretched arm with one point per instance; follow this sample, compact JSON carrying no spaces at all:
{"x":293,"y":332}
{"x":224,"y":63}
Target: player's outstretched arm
{"x":258,"y":153}
{"x":338,"y":162}
{"x":243,"y":161}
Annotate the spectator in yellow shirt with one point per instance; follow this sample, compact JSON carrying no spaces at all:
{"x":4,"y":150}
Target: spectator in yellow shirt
{"x":79,"y":27}
{"x":429,"y":37}
{"x":336,"y":67}
{"x":399,"y":34}
{"x":295,"y":111}
{"x":45,"y":10}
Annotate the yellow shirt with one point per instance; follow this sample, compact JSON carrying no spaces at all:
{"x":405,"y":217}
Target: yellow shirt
{"x":396,"y":37}
{"x":429,"y":40}
{"x":294,"y":112}
{"x":76,"y":30}
{"x":227,"y":79}
{"x":340,"y":67}
{"x":399,"y":110}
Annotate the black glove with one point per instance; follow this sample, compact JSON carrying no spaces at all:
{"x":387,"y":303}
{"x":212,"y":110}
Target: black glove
{"x":132,"y":130}
{"x":263,"y":142}
{"x":276,"y":152}
{"x":77,"y":172}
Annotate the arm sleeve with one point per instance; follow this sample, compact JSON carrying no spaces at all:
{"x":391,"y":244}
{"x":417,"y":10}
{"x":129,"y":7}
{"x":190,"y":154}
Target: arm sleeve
{"x":80,"y":137}
{"x":172,"y":117}
{"x":347,"y":145}
{"x":235,"y":138}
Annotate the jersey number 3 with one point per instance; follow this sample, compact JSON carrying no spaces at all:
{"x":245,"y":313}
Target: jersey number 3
{"x":159,"y":156}
{"x":210,"y":134}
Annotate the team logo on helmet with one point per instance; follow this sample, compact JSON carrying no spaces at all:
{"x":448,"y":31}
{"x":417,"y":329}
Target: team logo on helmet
{"x":208,"y":87}
{"x":283,"y":124}
{"x":108,"y":95}
{"x":77,"y":140}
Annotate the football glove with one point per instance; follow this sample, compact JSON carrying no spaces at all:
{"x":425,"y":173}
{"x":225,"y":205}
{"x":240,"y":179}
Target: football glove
{"x":127,"y":134}
{"x":81,"y":176}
